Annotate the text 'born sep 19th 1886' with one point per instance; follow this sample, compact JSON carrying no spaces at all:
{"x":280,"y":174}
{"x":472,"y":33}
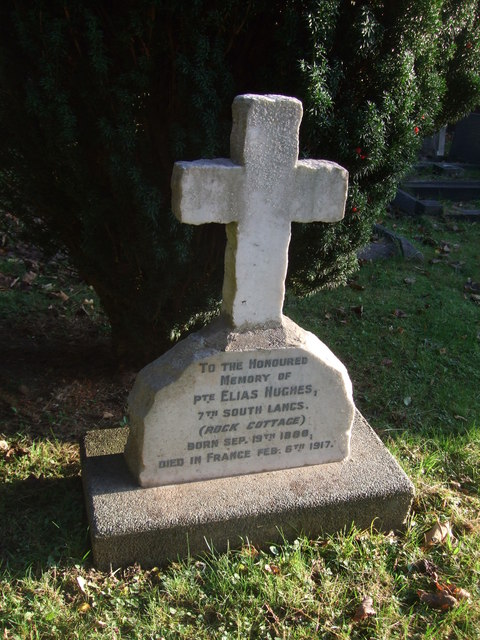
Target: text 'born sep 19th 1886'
{"x":253,"y":411}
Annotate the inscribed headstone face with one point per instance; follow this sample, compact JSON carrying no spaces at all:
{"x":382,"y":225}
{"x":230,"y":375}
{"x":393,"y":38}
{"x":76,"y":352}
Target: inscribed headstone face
{"x":252,"y":392}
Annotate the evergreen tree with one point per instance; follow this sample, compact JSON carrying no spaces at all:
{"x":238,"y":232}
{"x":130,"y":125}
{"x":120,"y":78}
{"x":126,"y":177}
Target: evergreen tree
{"x":98,"y":99}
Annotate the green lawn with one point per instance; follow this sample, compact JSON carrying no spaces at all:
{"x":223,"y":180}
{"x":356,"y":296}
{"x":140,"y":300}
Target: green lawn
{"x":409,"y":334}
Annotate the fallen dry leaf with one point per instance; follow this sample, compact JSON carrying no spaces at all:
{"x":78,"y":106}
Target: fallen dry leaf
{"x":81,"y":582}
{"x":4,"y":446}
{"x":445,"y":248}
{"x":440,"y":600}
{"x":16,"y":450}
{"x":438,"y":534}
{"x":84,"y":607}
{"x":453,"y":590}
{"x":398,"y":313}
{"x":364,"y":610}
{"x":107,"y":415}
{"x":29,"y":277}
{"x":386,"y":362}
{"x":250,"y":550}
{"x":272,"y":568}
{"x":60,"y":294}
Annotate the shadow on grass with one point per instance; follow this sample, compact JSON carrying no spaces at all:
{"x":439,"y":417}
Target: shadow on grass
{"x":60,"y":385}
{"x":43,"y":524}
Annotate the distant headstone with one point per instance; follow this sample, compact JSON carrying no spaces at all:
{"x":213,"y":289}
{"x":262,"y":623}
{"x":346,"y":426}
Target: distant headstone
{"x":434,"y":146}
{"x":253,"y":392}
{"x":466,"y":140}
{"x":246,"y":430}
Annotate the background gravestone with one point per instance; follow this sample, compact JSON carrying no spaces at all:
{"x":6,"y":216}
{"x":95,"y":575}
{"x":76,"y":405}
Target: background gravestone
{"x":434,"y":146}
{"x":466,"y":140}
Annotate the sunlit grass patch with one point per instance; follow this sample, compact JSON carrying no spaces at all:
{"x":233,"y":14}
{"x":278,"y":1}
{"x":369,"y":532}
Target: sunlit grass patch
{"x":409,"y":334}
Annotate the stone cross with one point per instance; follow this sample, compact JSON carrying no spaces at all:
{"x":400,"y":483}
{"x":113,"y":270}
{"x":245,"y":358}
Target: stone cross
{"x":257,"y":194}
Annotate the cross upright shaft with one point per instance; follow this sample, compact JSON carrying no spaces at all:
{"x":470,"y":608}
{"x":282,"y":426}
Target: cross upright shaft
{"x":257,"y":194}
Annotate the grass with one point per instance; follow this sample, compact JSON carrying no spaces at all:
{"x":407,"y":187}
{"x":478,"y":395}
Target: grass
{"x":47,"y":288}
{"x":409,"y":334}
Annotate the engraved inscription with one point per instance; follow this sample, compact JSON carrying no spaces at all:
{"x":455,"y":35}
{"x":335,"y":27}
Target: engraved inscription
{"x":252,"y":407}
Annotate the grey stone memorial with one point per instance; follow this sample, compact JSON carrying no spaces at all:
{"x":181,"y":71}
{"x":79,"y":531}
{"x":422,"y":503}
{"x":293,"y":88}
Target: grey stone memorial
{"x":247,"y":428}
{"x":434,"y":146}
{"x":466,"y":140}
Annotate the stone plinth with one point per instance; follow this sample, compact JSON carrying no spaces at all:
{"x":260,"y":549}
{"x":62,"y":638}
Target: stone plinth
{"x":152,"y":526}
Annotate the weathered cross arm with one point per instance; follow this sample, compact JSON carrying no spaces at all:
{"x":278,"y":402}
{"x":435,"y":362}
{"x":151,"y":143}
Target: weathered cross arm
{"x":199,"y":197}
{"x":321,"y":186}
{"x":258,"y":195}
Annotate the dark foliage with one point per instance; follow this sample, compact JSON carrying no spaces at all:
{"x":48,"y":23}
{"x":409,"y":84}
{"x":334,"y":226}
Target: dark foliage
{"x":99,"y":98}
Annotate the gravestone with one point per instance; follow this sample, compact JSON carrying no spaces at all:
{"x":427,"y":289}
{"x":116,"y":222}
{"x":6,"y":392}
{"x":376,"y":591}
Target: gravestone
{"x":434,"y":146}
{"x":466,"y":140}
{"x":254,"y":392}
{"x":247,"y":428}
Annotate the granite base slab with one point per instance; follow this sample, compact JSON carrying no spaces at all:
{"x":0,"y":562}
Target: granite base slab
{"x":152,"y":526}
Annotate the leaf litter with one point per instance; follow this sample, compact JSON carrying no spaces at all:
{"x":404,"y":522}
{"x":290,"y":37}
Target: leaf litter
{"x":446,"y":596}
{"x":364,"y":610}
{"x":440,"y":532}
